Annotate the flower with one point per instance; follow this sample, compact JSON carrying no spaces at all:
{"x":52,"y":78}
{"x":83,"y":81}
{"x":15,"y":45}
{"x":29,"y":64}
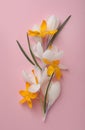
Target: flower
{"x":33,"y":84}
{"x":27,"y":96}
{"x":51,"y":58}
{"x":36,"y":79}
{"x":47,"y":27}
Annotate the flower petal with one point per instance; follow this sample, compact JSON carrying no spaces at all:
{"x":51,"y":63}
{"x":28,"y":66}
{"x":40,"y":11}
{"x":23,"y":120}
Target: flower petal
{"x":52,"y":23}
{"x":38,"y":50}
{"x":33,"y":33}
{"x":49,"y":55}
{"x":26,"y":77}
{"x":53,"y":93}
{"x":34,"y":88}
{"x":50,"y":70}
{"x":43,"y":26}
{"x":36,"y":28}
{"x":22,"y":101}
{"x":29,"y":102}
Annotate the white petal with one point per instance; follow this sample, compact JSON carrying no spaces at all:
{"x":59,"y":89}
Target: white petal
{"x":63,"y":67}
{"x":36,"y":27}
{"x":37,"y":39}
{"x":48,"y":54}
{"x":37,"y":50}
{"x":44,"y":77}
{"x":53,"y":93}
{"x":26,"y":76}
{"x":58,"y":55}
{"x":52,"y":23}
{"x":34,"y":88}
{"x":38,"y":73}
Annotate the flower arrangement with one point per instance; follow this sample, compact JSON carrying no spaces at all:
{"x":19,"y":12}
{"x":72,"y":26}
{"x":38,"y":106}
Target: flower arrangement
{"x":43,"y":83}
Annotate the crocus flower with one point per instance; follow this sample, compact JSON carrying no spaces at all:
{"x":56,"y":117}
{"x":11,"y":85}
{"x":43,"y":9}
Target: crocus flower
{"x":51,"y":58}
{"x":47,"y":28}
{"x":33,"y":84}
{"x":36,"y":79}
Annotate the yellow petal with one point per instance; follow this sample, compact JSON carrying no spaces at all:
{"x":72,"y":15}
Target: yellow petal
{"x":22,"y":101}
{"x":23,"y":93}
{"x":43,"y":26}
{"x":50,"y":70}
{"x":58,"y":73}
{"x":29,"y":103}
{"x":33,"y":33}
{"x":52,"y":32}
{"x":33,"y":95}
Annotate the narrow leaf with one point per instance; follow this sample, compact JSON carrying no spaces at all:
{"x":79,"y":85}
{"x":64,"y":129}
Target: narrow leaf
{"x":59,"y":29}
{"x":45,"y":99}
{"x":22,"y":50}
{"x":33,"y":56}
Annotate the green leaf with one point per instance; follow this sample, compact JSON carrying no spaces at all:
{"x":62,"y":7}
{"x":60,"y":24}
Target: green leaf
{"x":45,"y":99}
{"x":22,"y":50}
{"x":32,"y":54}
{"x":59,"y":29}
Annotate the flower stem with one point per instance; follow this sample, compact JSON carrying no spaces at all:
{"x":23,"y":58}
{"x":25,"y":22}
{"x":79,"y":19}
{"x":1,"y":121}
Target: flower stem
{"x":45,"y":99}
{"x":33,"y":56}
{"x":27,"y":57}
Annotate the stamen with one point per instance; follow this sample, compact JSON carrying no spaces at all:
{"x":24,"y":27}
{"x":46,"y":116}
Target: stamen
{"x":36,"y":79}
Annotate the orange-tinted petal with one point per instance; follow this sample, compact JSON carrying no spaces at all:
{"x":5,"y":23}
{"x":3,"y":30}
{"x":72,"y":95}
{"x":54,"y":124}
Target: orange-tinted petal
{"x":58,"y":73}
{"x":22,"y":101}
{"x":43,"y":26}
{"x":50,"y":70}
{"x":33,"y":33}
{"x":29,"y":103}
{"x":23,"y":93}
{"x":33,"y":95}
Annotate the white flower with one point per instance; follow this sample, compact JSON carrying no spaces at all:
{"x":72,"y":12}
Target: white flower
{"x":51,"y":54}
{"x":36,"y":79}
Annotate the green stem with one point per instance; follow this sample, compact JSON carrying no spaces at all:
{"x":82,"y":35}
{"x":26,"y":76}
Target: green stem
{"x":22,"y":50}
{"x":59,"y":29}
{"x":32,"y":54}
{"x":47,"y":93}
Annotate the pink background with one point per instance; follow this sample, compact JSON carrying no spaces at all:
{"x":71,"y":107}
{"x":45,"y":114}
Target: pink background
{"x":16,"y":17}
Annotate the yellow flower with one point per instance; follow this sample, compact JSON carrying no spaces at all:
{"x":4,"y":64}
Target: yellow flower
{"x":27,"y":96}
{"x":53,"y":67}
{"x":43,"y":31}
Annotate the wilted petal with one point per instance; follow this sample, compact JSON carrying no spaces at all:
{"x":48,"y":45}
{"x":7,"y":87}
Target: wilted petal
{"x":34,"y":88}
{"x":52,"y":23}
